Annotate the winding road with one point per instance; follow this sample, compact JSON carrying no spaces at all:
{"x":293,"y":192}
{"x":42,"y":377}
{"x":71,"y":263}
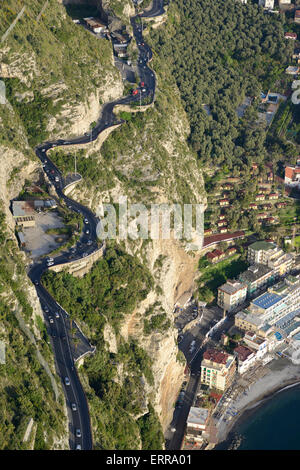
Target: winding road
{"x":56,"y":318}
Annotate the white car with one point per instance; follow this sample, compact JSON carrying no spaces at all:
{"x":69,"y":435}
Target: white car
{"x":51,"y":320}
{"x":56,"y":315}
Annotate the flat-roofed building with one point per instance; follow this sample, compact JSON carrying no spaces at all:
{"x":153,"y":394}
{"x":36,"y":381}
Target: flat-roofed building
{"x":196,"y":423}
{"x":246,"y":321}
{"x":292,"y":177}
{"x":269,"y":254}
{"x":23,"y":213}
{"x":217,"y":369}
{"x":258,"y":252}
{"x":267,"y":4}
{"x":282,"y":298}
{"x":95,"y":25}
{"x":260,"y":345}
{"x":231,"y":294}
{"x":256,"y":277}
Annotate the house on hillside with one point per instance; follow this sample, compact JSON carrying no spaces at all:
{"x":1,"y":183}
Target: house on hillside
{"x":266,"y":4}
{"x":224,"y":202}
{"x":290,"y":36}
{"x":297,"y":17}
{"x":291,"y":69}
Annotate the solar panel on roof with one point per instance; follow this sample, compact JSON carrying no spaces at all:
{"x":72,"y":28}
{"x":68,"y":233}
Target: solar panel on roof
{"x":267,"y":300}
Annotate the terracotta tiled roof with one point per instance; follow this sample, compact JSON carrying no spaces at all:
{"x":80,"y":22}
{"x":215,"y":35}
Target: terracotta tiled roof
{"x":216,"y":356}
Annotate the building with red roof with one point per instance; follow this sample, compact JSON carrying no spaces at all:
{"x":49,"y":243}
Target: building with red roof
{"x":217,"y":369}
{"x":245,"y":358}
{"x":290,"y":36}
{"x":292,"y":177}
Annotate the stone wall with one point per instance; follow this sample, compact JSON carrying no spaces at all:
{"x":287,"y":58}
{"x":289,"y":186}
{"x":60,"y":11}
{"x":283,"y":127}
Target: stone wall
{"x":80,"y":267}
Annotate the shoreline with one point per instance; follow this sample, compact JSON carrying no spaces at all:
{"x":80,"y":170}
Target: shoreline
{"x":258,"y":400}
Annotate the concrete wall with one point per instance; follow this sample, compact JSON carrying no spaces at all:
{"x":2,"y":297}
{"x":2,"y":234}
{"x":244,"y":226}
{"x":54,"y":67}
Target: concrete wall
{"x":80,"y":267}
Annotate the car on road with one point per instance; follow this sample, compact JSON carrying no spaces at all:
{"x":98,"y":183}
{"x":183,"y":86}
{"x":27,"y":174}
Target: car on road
{"x":84,"y":255}
{"x":78,"y":447}
{"x":87,"y":232}
{"x":78,"y":432}
{"x":74,"y":406}
{"x":51,"y":320}
{"x":46,"y":309}
{"x":86,"y":221}
{"x":89,"y":242}
{"x":135,"y":92}
{"x":142,"y":84}
{"x":56,"y":315}
{"x":173,"y":429}
{"x":36,"y":282}
{"x":67,"y":381}
{"x":50,"y":263}
{"x":179,"y":339}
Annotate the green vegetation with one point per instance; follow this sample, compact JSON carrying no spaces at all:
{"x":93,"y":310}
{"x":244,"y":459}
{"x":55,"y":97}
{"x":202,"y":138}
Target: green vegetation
{"x":158,"y":322}
{"x":219,"y":56}
{"x":25,"y":388}
{"x":88,"y":167}
{"x":213,"y":276}
{"x":58,"y":63}
{"x":151,"y":434}
{"x":112,"y":289}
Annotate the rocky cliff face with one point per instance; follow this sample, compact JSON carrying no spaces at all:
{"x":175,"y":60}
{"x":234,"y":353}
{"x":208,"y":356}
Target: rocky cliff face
{"x":147,"y":159}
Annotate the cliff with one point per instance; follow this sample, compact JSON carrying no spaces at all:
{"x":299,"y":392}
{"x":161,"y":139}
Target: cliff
{"x":57,"y":77}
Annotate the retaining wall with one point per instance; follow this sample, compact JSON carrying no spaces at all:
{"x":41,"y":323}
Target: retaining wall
{"x":80,"y":267}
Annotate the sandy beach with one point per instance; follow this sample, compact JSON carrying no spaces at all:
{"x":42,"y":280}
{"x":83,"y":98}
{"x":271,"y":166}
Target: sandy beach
{"x":280,"y":375}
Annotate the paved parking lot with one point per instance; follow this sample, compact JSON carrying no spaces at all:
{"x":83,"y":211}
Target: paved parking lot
{"x":38,"y":242}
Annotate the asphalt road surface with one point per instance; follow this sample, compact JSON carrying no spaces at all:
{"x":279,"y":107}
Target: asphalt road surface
{"x":79,"y":419}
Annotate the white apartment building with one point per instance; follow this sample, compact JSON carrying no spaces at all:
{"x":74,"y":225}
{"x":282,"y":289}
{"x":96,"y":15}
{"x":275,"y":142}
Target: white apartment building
{"x":231,"y":294}
{"x":266,"y":4}
{"x":270,"y":255}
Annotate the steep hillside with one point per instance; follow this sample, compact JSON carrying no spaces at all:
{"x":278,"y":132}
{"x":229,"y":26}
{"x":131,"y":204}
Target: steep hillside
{"x":57,"y":75}
{"x":56,"y":78}
{"x":32,"y":410}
